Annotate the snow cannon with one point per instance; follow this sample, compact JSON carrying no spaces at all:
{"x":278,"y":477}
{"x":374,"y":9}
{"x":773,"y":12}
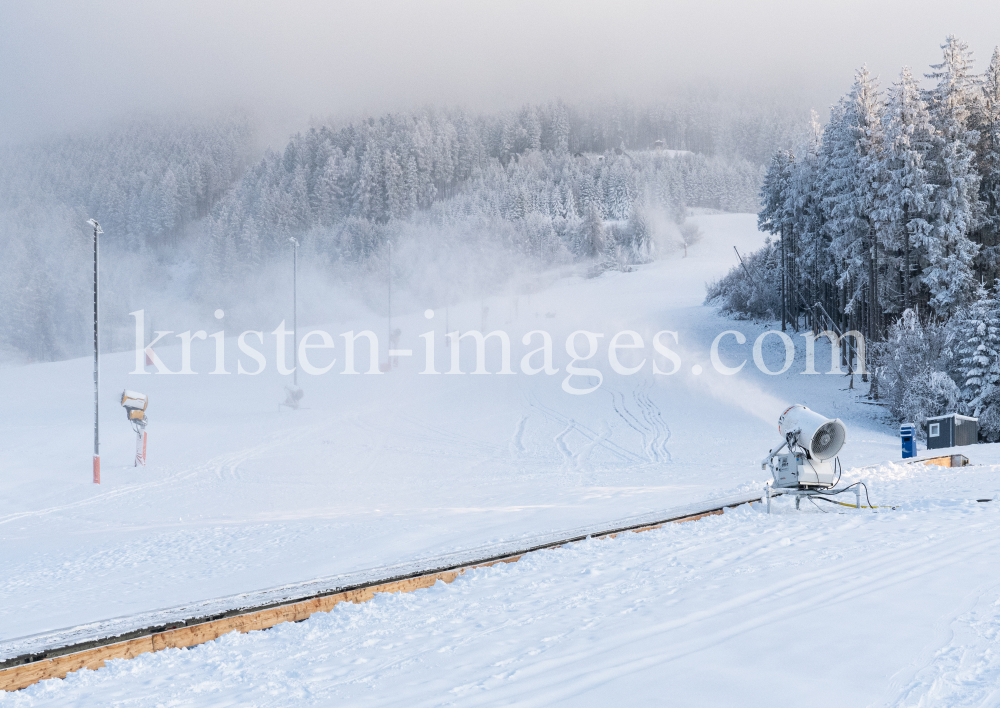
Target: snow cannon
{"x":135,"y":408}
{"x":813,"y":443}
{"x":820,"y":436}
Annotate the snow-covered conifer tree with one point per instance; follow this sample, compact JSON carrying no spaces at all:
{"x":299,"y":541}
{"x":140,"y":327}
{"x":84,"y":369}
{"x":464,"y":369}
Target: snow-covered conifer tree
{"x":912,"y":363}
{"x":904,"y":199}
{"x":807,"y":214}
{"x":621,"y":189}
{"x":980,"y":352}
{"x":988,"y":123}
{"x":775,"y":214}
{"x":395,"y":187}
{"x":956,"y":209}
{"x":855,"y":175}
{"x":593,"y":232}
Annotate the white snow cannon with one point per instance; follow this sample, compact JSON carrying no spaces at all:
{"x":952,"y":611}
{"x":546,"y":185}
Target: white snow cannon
{"x":135,"y":408}
{"x":813,"y":442}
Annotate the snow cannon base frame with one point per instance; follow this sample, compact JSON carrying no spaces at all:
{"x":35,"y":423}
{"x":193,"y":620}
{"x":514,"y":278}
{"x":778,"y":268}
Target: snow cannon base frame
{"x":135,"y":410}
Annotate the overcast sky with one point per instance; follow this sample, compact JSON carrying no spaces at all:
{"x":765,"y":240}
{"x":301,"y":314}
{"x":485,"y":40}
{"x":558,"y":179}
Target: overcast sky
{"x":69,"y":64}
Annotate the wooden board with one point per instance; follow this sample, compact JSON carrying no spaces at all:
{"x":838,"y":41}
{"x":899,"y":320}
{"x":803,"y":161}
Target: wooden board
{"x":943,"y":461}
{"x":18,"y":677}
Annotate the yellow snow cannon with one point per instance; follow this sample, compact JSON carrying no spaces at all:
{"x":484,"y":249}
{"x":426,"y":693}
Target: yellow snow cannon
{"x":135,"y":407}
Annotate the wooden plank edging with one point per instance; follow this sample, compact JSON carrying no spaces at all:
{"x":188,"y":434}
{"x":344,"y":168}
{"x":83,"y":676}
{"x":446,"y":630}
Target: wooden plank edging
{"x":953,"y":460}
{"x":24,"y":675}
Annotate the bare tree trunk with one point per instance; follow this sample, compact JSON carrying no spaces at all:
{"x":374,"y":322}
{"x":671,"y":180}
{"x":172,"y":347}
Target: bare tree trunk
{"x":906,"y":257}
{"x":871,"y":287}
{"x":876,"y":297}
{"x":783,"y":268}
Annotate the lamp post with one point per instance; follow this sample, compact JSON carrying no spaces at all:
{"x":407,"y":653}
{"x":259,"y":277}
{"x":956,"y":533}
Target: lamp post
{"x":388,"y":285}
{"x":295,"y":312}
{"x":97,"y":365}
{"x":387,"y":366}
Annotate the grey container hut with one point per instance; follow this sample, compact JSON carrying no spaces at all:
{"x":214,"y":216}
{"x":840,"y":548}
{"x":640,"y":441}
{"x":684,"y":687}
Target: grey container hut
{"x":951,"y":430}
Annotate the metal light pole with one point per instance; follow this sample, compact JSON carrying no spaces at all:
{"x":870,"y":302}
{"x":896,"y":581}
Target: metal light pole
{"x":388,"y":281}
{"x":97,"y":365}
{"x":295,"y":312}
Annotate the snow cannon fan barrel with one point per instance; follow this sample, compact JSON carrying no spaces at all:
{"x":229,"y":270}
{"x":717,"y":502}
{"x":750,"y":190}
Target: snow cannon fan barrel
{"x":135,"y":407}
{"x":814,"y":442}
{"x":822,"y":437}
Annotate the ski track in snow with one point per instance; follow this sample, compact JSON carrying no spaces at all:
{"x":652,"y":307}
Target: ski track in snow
{"x":560,"y":441}
{"x":648,"y":423}
{"x":583,"y":457}
{"x":654,"y":418}
{"x":610,"y":445}
{"x":626,"y":415}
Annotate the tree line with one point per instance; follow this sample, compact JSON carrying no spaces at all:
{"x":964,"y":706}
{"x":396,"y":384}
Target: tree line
{"x":195,"y":213}
{"x":888,"y":219}
{"x":539,"y":179}
{"x":894,"y":204}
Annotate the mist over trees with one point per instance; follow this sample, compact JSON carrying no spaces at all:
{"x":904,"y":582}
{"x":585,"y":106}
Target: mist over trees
{"x":532,"y":178}
{"x":146,"y":182}
{"x":195,"y":217}
{"x":888,"y":219}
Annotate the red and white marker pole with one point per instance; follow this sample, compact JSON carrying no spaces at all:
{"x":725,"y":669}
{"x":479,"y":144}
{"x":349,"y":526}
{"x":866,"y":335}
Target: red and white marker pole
{"x":140,"y":448}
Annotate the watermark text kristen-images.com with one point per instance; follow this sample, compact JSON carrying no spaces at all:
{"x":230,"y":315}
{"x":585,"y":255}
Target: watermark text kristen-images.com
{"x":580,"y":346}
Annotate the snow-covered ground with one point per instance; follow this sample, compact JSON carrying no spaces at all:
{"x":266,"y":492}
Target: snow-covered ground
{"x":898,"y":608}
{"x":238,"y":496}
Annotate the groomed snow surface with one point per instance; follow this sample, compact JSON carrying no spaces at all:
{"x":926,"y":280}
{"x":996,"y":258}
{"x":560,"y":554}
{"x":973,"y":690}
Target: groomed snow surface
{"x":817,"y":606}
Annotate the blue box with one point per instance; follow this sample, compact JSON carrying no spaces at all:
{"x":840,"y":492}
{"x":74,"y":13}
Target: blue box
{"x":908,"y":434}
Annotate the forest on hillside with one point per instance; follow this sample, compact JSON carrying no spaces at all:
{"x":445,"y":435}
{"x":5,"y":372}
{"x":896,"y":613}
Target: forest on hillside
{"x":196,"y":217}
{"x":887,"y":222}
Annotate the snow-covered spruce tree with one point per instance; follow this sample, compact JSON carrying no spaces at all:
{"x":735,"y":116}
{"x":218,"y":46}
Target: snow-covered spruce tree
{"x":640,"y":235}
{"x":913,"y":364}
{"x":593,"y":232}
{"x":988,"y":158}
{"x":775,"y":216}
{"x":904,"y":198}
{"x":752,"y":289}
{"x":621,"y":188}
{"x":855,"y":174}
{"x":956,"y":210}
{"x":829,"y":182}
{"x":806,"y":248}
{"x":979,"y":349}
{"x":792,"y":209}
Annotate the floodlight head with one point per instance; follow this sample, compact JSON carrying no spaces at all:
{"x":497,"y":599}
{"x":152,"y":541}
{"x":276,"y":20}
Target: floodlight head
{"x":822,"y":437}
{"x":97,"y":227}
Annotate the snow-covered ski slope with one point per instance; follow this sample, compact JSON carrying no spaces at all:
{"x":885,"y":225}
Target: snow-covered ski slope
{"x":377,"y":470}
{"x":793,"y":609}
